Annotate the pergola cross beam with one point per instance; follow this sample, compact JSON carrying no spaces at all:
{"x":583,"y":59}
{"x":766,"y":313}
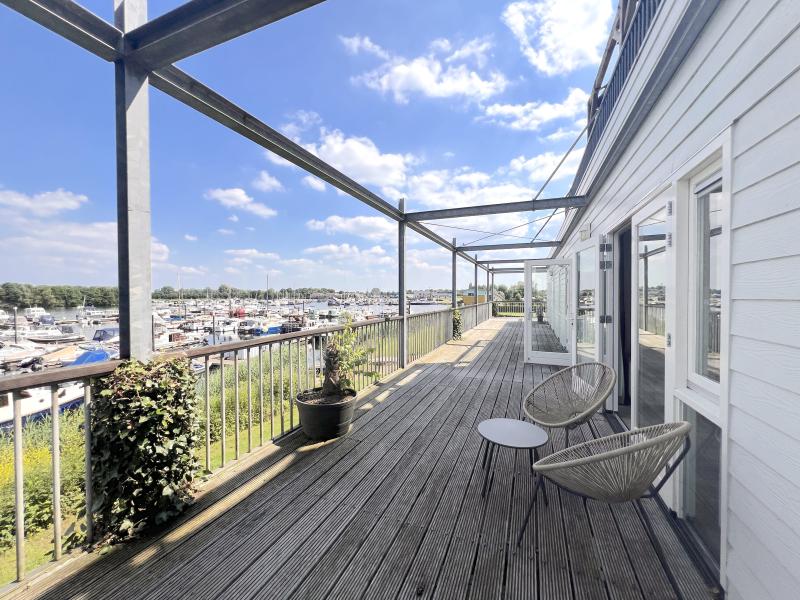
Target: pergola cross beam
{"x":201,"y":24}
{"x":496,"y":209}
{"x":513,"y":246}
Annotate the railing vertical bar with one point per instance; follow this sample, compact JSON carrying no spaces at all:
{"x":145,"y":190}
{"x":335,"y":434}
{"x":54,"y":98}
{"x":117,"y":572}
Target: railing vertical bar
{"x":223,"y":432}
{"x":55,"y":447}
{"x":249,"y":404}
{"x":206,"y":374}
{"x":271,"y":396}
{"x":280,"y":383}
{"x":291,"y":388}
{"x":87,"y":457}
{"x":261,"y":395}
{"x":236,"y":404}
{"x":19,"y":493}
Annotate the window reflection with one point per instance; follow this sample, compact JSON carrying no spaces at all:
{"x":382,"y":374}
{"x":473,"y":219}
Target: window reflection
{"x":586,"y":310}
{"x":708,"y":284}
{"x":652,"y":301}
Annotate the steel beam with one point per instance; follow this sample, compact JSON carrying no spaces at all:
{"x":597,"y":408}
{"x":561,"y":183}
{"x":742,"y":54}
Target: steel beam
{"x":133,"y":194}
{"x":401,"y":289}
{"x":73,"y":22}
{"x":503,"y":261}
{"x":507,"y":271}
{"x":514,"y":246}
{"x":201,"y":24}
{"x":494,"y":209}
{"x":476,"y":279}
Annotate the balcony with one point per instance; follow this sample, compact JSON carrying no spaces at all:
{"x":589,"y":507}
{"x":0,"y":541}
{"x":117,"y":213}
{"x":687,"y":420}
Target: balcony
{"x":394,"y":509}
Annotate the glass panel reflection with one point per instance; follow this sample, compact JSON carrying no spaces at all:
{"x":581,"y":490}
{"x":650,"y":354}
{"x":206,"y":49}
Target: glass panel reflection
{"x":701,"y":481}
{"x":652,"y":300}
{"x":709,"y":268}
{"x":585,"y":324}
{"x":549,"y":299}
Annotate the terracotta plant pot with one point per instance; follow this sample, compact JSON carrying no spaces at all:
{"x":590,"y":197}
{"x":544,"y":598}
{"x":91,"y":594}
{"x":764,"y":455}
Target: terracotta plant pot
{"x":325,"y":418}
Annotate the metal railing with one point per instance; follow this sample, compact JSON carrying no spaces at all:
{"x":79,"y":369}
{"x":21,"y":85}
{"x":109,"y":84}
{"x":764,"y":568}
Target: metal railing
{"x":628,"y":52}
{"x":246,"y":397}
{"x":508,"y":308}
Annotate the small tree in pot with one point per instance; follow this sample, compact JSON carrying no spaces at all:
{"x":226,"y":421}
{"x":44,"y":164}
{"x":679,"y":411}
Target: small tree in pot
{"x":327,"y":411}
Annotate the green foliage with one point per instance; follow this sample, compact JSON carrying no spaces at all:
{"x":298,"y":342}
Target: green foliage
{"x":22,"y":295}
{"x":144,"y":434}
{"x":458,"y":326}
{"x":494,"y":309}
{"x":344,"y":357}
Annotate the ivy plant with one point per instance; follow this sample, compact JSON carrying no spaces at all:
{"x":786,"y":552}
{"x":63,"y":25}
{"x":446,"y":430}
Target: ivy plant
{"x":458,"y":327}
{"x":144,"y":432}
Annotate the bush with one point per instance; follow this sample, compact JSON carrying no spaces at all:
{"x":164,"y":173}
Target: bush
{"x":458,"y":328}
{"x":144,"y":433}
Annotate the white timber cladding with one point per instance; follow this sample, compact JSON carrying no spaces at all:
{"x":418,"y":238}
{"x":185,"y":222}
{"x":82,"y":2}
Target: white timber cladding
{"x":742,"y":77}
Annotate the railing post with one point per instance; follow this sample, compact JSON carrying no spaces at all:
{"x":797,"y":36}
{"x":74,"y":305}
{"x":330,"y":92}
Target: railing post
{"x":401,"y":285}
{"x":476,"y":281}
{"x":492,"y":286}
{"x":454,"y":299}
{"x":19,"y":491}
{"x":133,"y":193}
{"x":487,"y":284}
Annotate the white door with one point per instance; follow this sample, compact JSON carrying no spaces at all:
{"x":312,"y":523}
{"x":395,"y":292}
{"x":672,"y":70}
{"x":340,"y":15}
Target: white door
{"x":549,"y":312}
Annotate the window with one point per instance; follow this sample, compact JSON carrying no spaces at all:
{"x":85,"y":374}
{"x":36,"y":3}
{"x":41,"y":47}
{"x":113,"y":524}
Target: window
{"x":587,"y":283}
{"x":706,"y":272}
{"x":701,"y":481}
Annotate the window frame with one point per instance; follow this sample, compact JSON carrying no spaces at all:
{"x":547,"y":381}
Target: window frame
{"x":710,"y":177}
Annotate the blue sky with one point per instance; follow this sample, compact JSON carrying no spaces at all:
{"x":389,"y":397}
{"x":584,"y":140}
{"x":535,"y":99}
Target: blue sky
{"x":445,"y":103}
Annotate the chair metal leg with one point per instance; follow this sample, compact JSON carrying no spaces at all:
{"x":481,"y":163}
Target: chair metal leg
{"x":530,"y":457}
{"x":659,"y":550}
{"x":539,"y":481}
{"x":485,"y":449}
{"x":566,"y":438}
{"x":488,"y":468}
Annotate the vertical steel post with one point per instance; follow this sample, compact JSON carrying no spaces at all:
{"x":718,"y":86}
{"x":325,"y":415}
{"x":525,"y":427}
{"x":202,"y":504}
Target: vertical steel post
{"x":401,"y":285}
{"x":454,"y":299}
{"x":133,"y":192}
{"x":55,"y":449}
{"x":487,"y":287}
{"x":19,"y":490}
{"x":492,"y":286}
{"x":476,"y":287}
{"x":87,"y":457}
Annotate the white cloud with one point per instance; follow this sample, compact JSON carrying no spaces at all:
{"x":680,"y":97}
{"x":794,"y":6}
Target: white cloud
{"x":189,"y":238}
{"x":441,"y":73}
{"x":278,"y":160}
{"x":372,"y":228}
{"x":360,"y":43}
{"x":351,"y":255}
{"x":559,"y":37}
{"x":251,"y":253}
{"x":360,"y":158}
{"x":232,"y":270}
{"x":44,"y":204}
{"x":237,"y":199}
{"x":538,"y":168}
{"x":531,"y":116}
{"x":266,"y":183}
{"x":224,"y":231}
{"x":314,"y":183}
{"x":233,"y":219}
{"x":300,"y":121}
{"x":566,"y":133}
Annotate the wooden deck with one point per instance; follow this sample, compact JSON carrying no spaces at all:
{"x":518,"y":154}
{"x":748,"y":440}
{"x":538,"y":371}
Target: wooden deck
{"x":394,"y":510}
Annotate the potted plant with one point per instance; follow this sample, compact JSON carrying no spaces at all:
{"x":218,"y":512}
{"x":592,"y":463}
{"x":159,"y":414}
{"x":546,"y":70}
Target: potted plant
{"x":539,"y":313}
{"x":327,"y":411}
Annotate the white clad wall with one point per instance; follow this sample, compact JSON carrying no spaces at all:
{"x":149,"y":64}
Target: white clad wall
{"x":743,"y":71}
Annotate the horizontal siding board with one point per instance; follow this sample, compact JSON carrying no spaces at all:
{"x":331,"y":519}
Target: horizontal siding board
{"x":769,"y":446}
{"x":778,"y":494}
{"x":779,"y":540}
{"x":778,"y":581}
{"x":770,"y":155}
{"x":767,"y":198}
{"x":767,"y":280}
{"x":772,"y":238}
{"x":742,"y":579}
{"x":773,"y":363}
{"x":767,"y":320}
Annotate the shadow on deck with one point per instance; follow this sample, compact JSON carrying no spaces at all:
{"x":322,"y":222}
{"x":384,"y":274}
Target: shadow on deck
{"x":394,"y":510}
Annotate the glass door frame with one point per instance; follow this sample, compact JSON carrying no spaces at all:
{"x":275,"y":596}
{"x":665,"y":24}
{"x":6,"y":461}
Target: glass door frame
{"x":593,"y":243}
{"x":656,"y":205}
{"x":550,"y":358}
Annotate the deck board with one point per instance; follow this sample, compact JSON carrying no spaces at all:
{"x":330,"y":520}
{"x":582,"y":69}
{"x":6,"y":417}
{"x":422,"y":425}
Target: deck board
{"x":394,"y":509}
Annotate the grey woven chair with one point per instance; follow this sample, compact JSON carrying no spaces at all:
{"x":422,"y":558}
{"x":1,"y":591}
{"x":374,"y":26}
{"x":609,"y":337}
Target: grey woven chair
{"x":618,"y":468}
{"x":570,"y":397}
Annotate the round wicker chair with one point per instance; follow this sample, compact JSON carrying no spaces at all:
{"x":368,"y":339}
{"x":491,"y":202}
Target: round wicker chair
{"x":570,"y":397}
{"x":618,"y":468}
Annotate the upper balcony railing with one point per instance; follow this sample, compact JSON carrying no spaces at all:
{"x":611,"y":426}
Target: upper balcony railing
{"x":629,"y":51}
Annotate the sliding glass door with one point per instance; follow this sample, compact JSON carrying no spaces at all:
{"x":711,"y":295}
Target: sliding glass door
{"x":548,"y":312}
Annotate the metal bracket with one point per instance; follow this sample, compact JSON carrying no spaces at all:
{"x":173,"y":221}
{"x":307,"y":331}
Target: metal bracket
{"x":605,"y":319}
{"x":669,"y":208}
{"x":605,"y":248}
{"x":605,"y":265}
{"x":669,"y":240}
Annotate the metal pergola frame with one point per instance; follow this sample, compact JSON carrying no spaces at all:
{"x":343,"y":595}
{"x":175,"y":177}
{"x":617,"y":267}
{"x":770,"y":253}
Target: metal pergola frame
{"x":143,"y":51}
